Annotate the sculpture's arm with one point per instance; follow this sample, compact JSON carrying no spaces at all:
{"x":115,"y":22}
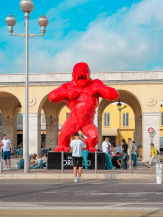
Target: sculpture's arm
{"x":62,"y":93}
{"x":104,"y":91}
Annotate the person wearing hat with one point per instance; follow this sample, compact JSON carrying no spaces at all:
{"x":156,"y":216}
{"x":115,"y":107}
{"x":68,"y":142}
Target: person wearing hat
{"x":85,"y":152}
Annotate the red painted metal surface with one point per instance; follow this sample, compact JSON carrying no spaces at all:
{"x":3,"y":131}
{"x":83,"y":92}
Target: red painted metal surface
{"x":81,"y":96}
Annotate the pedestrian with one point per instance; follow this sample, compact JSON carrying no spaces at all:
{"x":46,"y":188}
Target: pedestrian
{"x":112,"y":150}
{"x":1,"y":147}
{"x":45,"y":160}
{"x":7,"y":149}
{"x":115,"y":160}
{"x":108,"y":141}
{"x":85,"y":152}
{"x":130,"y":151}
{"x":153,"y":154}
{"x":33,"y":161}
{"x":140,"y":151}
{"x":105,"y":149}
{"x":77,"y":146}
{"x":124,"y":154}
{"x":135,"y":154}
{"x":118,"y":148}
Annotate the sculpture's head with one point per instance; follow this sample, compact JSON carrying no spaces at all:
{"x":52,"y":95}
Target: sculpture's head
{"x":81,"y":74}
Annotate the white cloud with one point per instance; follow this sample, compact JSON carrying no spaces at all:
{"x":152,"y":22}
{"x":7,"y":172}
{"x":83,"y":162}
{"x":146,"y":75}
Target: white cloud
{"x":130,"y":39}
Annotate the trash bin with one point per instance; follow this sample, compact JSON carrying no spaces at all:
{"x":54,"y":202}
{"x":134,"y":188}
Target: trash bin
{"x":159,"y":173}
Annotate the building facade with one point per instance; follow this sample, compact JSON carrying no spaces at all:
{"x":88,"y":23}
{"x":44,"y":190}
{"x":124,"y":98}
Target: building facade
{"x":141,"y":91}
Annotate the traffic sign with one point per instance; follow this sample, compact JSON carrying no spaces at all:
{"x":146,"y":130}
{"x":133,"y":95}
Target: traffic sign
{"x":150,"y":130}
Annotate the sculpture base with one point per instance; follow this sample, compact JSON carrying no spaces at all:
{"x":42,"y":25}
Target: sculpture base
{"x":54,"y":160}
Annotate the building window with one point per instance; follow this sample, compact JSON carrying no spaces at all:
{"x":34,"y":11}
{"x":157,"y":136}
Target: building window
{"x":43,"y":118}
{"x":106,"y":119}
{"x":20,"y":119}
{"x":125,"y":119}
{"x":67,"y":115}
{"x":161,"y":118}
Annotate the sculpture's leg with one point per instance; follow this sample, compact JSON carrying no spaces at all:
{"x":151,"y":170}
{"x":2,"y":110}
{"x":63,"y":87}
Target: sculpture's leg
{"x":69,"y":128}
{"x":91,"y":132}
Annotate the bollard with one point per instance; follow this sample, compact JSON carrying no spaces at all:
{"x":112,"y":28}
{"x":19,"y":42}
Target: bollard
{"x":159,"y":173}
{"x":62,"y":162}
{"x":1,"y":167}
{"x":95,"y":161}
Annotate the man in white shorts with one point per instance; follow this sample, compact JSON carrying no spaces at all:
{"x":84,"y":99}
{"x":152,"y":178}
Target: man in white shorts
{"x":77,"y":147}
{"x":7,"y":148}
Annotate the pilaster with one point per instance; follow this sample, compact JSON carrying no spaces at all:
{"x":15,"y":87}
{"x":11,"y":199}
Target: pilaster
{"x":10,"y":129}
{"x":150,"y":120}
{"x":34,"y":133}
{"x":51,"y":132}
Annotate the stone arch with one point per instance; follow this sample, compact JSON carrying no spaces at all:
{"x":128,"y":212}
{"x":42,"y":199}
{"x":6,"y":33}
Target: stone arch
{"x":51,"y":111}
{"x":133,"y":101}
{"x":10,"y":106}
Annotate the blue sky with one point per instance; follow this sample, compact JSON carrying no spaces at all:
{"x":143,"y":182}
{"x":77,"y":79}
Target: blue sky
{"x":110,"y":35}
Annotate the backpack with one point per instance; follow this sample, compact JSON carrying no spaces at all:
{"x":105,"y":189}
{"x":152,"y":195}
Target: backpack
{"x":157,"y":152}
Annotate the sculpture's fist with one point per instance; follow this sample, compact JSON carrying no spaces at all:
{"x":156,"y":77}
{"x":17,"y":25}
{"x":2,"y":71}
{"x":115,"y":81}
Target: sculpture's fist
{"x":72,"y":94}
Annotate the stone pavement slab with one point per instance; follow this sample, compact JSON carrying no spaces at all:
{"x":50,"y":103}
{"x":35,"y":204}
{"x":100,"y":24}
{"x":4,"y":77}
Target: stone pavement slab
{"x":139,"y":172}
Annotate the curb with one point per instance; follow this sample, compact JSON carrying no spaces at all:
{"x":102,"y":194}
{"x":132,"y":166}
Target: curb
{"x":59,"y":176}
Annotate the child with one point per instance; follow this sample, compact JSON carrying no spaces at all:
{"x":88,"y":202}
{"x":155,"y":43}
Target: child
{"x":45,"y":159}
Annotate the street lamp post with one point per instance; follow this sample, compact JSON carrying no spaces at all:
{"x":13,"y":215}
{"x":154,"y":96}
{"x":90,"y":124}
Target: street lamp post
{"x":119,"y":107}
{"x":27,"y":7}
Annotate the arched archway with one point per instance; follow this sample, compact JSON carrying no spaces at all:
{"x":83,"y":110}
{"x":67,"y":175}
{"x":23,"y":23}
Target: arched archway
{"x":10,"y":106}
{"x":130,"y":99}
{"x":52,"y":111}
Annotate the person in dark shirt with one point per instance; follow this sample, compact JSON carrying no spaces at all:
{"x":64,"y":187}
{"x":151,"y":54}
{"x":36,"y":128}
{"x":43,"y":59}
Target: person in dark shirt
{"x":124,"y":154}
{"x":115,"y":160}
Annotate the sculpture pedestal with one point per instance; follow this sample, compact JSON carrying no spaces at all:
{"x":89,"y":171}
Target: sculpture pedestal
{"x":54,"y":160}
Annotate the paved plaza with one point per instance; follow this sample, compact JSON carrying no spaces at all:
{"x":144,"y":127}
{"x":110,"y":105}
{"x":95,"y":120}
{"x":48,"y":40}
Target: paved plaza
{"x":87,"y":198}
{"x":139,"y":172}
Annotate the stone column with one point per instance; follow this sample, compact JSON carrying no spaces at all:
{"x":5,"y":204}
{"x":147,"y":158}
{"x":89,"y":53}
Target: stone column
{"x":34,"y":133}
{"x":100,"y":131}
{"x":51,"y":132}
{"x":138,"y":131}
{"x":96,"y":120}
{"x":96,"y":124}
{"x":150,"y":120}
{"x":10,"y":129}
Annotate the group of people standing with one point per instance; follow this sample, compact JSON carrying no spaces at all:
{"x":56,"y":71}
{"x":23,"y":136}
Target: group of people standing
{"x":118,"y":157}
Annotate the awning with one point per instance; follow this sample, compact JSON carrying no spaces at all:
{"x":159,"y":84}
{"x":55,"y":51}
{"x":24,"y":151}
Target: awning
{"x":109,"y":132}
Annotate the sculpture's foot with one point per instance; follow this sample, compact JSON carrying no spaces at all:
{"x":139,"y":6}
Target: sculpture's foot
{"x":61,"y":148}
{"x":92,"y":149}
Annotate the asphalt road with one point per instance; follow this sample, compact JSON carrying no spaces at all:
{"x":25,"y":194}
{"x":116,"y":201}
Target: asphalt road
{"x":87,"y":198}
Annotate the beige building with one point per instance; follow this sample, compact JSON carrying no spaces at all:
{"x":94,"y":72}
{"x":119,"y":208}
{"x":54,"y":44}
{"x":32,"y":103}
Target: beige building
{"x":116,"y":125}
{"x":141,"y":91}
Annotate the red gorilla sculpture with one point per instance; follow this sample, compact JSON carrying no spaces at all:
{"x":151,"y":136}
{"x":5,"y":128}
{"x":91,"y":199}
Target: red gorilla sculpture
{"x":82,"y":98}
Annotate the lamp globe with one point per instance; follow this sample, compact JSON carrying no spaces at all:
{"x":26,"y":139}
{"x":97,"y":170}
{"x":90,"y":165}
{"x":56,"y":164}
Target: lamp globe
{"x":26,"y":6}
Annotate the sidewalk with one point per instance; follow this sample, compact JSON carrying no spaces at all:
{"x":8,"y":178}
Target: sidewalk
{"x":140,"y":172}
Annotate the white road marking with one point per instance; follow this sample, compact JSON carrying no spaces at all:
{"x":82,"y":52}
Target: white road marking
{"x":126,"y":193}
{"x":80,"y":206}
{"x":93,"y":193}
